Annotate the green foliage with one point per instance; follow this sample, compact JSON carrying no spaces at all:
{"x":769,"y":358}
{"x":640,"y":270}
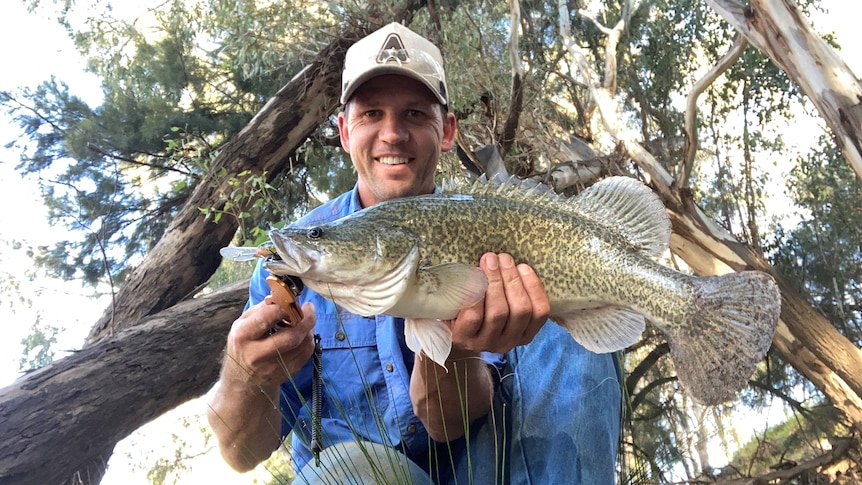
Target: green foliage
{"x":246,"y":187}
{"x":178,"y":80}
{"x":822,"y":256}
{"x":37,"y":346}
{"x":664,"y":36}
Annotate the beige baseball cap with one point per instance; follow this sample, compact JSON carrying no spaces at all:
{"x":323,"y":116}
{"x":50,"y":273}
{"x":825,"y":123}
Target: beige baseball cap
{"x":394,"y":49}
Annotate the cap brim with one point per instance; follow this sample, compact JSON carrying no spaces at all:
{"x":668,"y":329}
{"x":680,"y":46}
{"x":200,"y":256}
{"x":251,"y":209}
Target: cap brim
{"x":389,"y":69}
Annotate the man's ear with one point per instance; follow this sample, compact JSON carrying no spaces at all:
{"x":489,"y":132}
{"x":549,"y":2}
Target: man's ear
{"x":343,"y":132}
{"x":450,"y":126}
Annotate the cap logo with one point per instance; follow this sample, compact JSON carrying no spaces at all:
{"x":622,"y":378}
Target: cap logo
{"x":393,"y":50}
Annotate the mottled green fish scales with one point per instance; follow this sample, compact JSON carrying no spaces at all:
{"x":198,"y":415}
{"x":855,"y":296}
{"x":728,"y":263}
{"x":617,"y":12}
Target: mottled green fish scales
{"x":577,"y":261}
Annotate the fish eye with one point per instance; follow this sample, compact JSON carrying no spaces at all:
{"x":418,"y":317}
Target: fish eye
{"x":314,"y":233}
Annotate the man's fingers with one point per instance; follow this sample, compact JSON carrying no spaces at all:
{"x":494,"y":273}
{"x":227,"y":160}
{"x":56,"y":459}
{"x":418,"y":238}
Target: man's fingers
{"x":520,"y":308}
{"x":513,"y":311}
{"x":265,"y":355}
{"x":496,"y":308}
{"x":541,"y":307}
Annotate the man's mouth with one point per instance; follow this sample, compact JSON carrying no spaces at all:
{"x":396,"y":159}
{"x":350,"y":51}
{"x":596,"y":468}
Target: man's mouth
{"x":393,"y":160}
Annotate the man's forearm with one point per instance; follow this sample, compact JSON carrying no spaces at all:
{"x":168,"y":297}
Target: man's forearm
{"x":246,"y":421}
{"x":447,"y":402}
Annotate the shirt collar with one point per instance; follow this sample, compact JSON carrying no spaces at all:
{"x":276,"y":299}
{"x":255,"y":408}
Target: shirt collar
{"x":354,"y":205}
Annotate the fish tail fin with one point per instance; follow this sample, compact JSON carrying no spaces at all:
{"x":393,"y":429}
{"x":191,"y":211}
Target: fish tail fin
{"x":729,"y":331}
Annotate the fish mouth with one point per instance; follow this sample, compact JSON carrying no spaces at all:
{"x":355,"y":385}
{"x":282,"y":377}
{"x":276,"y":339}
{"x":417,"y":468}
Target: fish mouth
{"x":393,"y":160}
{"x":294,"y":259}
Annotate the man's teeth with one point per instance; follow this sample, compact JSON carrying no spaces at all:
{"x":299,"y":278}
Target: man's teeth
{"x":393,"y":160}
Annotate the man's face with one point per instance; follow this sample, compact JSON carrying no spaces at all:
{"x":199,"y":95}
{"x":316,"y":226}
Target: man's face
{"x":394,"y":131}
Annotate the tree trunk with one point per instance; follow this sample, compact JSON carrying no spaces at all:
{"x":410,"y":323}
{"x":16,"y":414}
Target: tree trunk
{"x":60,"y":423}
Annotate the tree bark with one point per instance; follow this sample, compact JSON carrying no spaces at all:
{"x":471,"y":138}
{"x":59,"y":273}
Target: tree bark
{"x":60,"y":423}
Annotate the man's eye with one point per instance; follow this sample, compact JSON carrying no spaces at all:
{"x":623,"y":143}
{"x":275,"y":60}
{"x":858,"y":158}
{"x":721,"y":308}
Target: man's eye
{"x":415,"y":113}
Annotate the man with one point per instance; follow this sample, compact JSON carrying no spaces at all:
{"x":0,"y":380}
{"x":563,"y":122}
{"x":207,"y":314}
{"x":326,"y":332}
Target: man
{"x":519,"y":401}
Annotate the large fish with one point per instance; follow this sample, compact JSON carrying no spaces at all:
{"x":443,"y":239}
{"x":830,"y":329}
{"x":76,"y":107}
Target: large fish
{"x":595,"y":253}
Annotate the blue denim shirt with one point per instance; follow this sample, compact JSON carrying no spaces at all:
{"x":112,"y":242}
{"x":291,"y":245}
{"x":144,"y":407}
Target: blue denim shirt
{"x":366,"y":368}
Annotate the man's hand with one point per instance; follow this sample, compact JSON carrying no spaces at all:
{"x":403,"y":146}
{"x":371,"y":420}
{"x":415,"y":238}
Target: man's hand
{"x":513,"y":311}
{"x":256,"y":355}
{"x":243,"y":411}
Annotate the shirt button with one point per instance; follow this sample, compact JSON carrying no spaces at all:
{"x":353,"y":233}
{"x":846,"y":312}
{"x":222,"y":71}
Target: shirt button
{"x":390,"y":367}
{"x":340,"y":336}
{"x":411,"y":429}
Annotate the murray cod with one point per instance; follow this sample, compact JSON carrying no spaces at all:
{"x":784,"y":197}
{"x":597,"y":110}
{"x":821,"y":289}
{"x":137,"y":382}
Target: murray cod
{"x":595,"y":253}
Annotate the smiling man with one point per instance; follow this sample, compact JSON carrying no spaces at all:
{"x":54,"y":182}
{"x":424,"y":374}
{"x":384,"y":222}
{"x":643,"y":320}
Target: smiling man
{"x":519,"y":400}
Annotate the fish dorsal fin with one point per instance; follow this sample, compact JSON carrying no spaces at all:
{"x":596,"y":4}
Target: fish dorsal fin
{"x":622,"y":205}
{"x":630,"y":208}
{"x":513,"y":188}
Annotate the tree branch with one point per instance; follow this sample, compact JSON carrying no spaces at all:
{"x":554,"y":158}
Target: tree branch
{"x":61,"y":410}
{"x":516,"y":103}
{"x":735,"y":51}
{"x":840,"y":448}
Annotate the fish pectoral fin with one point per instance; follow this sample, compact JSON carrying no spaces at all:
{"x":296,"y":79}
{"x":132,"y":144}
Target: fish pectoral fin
{"x":603,"y":330}
{"x":448,"y":288}
{"x":431,"y":336}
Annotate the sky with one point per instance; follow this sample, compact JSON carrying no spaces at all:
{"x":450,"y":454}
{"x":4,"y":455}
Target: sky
{"x":23,"y":217}
{"x":34,"y":48}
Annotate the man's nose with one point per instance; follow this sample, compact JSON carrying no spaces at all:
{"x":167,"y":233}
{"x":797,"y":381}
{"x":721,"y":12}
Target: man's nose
{"x":393,"y":130}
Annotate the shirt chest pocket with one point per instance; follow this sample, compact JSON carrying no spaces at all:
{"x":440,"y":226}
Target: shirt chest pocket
{"x":342,"y":330}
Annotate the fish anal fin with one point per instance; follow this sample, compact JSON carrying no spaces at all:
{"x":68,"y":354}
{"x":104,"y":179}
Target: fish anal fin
{"x":431,"y":336}
{"x":634,"y":210}
{"x":605,"y":329}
